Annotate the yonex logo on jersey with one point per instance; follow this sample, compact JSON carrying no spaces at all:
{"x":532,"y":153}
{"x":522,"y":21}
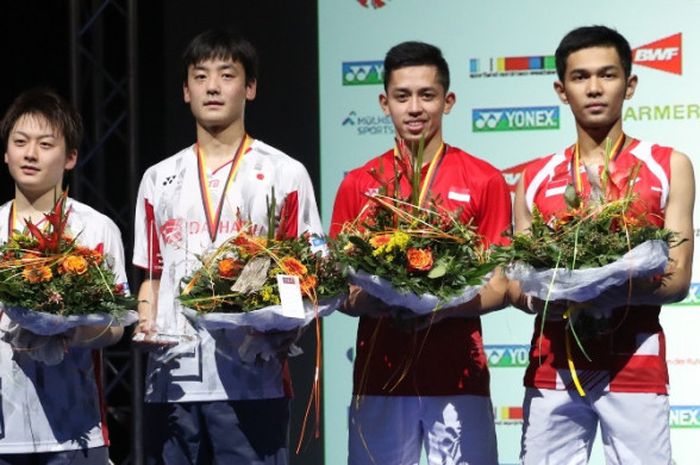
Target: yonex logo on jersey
{"x":169,"y":180}
{"x":684,"y":416}
{"x":507,"y":356}
{"x":362,"y":73}
{"x":664,"y":54}
{"x":514,"y":119}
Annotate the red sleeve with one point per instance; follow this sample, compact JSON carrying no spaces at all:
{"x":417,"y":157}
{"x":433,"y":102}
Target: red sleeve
{"x":495,"y":211}
{"x":289,"y":213}
{"x":155,"y":260}
{"x":347,"y":204}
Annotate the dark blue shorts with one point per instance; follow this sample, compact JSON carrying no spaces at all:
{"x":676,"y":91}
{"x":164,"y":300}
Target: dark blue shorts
{"x":93,"y":456}
{"x":238,"y":432}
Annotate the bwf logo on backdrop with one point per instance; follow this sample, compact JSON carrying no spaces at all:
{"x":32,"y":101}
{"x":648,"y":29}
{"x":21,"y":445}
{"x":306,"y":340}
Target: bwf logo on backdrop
{"x":514,"y":119}
{"x":664,"y":54}
{"x":363,"y":73}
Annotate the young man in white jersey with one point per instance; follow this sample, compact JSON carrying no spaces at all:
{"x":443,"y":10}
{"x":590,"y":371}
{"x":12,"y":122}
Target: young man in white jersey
{"x":204,"y":403}
{"x":625,"y":381}
{"x":425,"y":387}
{"x":52,"y":414}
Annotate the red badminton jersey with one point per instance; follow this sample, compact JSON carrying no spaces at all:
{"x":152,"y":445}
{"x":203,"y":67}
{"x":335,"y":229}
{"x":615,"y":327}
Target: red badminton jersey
{"x":447,"y":358}
{"x":633,"y":357}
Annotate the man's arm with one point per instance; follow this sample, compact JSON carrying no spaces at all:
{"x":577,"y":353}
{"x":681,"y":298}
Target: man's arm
{"x":148,"y":307}
{"x":95,"y":337}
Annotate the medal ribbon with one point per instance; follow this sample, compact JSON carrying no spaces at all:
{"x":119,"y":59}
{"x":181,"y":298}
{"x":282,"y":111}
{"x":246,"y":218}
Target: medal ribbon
{"x":616,"y":149}
{"x":430,"y":174}
{"x":214,"y":217}
{"x":11,"y":221}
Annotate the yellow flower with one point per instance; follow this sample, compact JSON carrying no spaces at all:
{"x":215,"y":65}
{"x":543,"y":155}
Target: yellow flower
{"x":399,"y":240}
{"x":266,"y":293}
{"x":37,"y":274}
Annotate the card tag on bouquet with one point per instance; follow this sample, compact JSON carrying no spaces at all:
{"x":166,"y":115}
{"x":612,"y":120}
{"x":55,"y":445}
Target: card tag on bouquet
{"x":290,"y":296}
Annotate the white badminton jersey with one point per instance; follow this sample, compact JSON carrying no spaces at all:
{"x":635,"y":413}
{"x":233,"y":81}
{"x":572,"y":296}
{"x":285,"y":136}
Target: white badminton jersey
{"x":172,"y":229}
{"x":60,"y":407}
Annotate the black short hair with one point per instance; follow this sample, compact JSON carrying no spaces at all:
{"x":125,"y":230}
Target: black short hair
{"x":593,"y":36}
{"x":224,"y":45}
{"x":45,"y":102}
{"x":416,"y":54}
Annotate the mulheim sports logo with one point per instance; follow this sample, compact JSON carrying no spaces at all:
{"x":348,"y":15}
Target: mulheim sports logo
{"x":369,"y":125}
{"x":508,"y":415}
{"x":514,"y":119}
{"x":664,"y":54}
{"x":692,"y":299}
{"x":363,"y":73}
{"x":684,"y":416}
{"x":512,"y":66}
{"x":507,"y":356}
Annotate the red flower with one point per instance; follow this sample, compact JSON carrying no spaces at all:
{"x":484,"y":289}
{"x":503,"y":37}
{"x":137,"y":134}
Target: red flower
{"x":291,"y":265}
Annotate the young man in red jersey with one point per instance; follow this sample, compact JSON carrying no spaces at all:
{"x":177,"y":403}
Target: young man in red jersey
{"x":442,"y":403}
{"x":626,"y":380}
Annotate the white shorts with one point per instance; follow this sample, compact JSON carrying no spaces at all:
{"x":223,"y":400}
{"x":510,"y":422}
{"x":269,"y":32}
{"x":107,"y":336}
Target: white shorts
{"x":559,"y":427}
{"x":454,"y":430}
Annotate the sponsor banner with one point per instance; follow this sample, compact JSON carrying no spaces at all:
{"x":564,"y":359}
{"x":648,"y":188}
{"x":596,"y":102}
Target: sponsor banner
{"x":663,"y":112}
{"x":368,"y":124}
{"x":363,"y":73}
{"x":664,"y":54}
{"x":692,"y":299}
{"x":507,"y":356}
{"x":514,"y":119}
{"x":512,"y":66}
{"x":373,"y":3}
{"x":684,"y":416}
{"x":508,"y":415}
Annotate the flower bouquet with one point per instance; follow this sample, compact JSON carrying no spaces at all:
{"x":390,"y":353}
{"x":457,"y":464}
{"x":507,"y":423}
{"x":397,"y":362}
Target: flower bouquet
{"x":49,"y":284}
{"x":238,"y":284}
{"x":410,"y":256}
{"x":595,"y":245}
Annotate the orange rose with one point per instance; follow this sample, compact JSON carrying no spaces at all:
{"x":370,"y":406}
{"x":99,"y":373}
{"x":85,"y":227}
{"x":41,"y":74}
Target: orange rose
{"x":378,"y":241}
{"x":308,"y":284}
{"x":229,"y":268}
{"x":419,"y":259}
{"x":37,"y":274}
{"x":291,"y":265}
{"x":74,"y":264}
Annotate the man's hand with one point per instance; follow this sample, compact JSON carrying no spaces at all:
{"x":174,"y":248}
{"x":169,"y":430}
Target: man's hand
{"x":360,"y":303}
